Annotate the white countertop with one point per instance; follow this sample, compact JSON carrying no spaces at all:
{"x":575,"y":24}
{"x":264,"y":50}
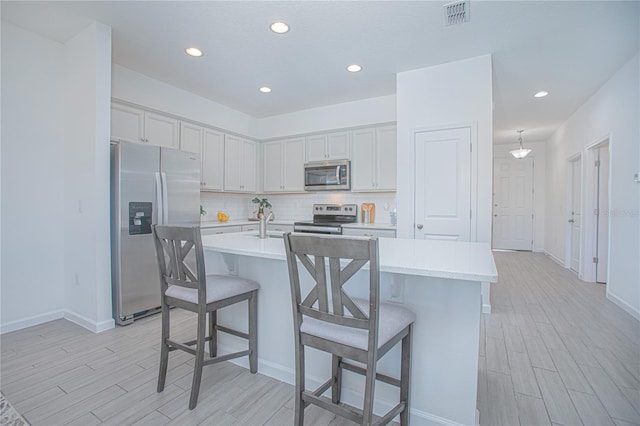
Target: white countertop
{"x":440,"y":259}
{"x":217,"y":224}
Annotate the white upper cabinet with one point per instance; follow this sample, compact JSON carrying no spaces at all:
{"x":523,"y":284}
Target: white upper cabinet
{"x":127,"y":124}
{"x":373,"y":161}
{"x":240,"y":163}
{"x":137,"y":125}
{"x":191,"y":137}
{"x":284,"y":165}
{"x":209,"y":144}
{"x":212,"y":155}
{"x":328,"y":146}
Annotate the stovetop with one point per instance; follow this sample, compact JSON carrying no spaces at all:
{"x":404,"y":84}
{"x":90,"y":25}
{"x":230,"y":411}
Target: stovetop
{"x":331,"y":215}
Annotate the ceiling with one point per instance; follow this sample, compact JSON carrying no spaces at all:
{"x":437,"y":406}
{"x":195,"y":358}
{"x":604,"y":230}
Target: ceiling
{"x":568,"y":48}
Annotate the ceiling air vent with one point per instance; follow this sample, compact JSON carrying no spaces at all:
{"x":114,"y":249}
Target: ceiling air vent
{"x":456,"y":12}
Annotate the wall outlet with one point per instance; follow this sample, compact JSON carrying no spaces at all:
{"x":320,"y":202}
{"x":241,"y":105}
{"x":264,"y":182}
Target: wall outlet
{"x":636,"y":177}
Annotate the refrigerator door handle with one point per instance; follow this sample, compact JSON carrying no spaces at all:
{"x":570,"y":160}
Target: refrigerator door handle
{"x":158,"y":200}
{"x":165,"y":199}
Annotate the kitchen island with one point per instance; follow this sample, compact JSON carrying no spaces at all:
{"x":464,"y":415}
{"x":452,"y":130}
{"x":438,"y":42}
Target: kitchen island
{"x":438,"y":280}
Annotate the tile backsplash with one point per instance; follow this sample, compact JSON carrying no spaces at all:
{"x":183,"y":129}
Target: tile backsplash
{"x":293,"y":207}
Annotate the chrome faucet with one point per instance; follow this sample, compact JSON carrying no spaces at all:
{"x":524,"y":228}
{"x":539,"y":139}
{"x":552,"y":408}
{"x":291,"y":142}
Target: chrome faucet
{"x":263,"y":225}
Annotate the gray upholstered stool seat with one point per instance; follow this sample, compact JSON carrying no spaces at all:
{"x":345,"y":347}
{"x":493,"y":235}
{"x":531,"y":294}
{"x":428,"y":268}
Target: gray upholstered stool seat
{"x":393,"y":319}
{"x":219,"y":287}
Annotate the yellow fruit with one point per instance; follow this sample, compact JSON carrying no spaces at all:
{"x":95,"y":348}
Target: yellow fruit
{"x":223,"y":217}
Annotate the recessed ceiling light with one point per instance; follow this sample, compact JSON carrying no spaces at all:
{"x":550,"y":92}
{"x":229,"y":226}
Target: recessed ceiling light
{"x":541,"y":94}
{"x":265,"y":89}
{"x":193,"y":51}
{"x":354,"y":68}
{"x":279,"y":27}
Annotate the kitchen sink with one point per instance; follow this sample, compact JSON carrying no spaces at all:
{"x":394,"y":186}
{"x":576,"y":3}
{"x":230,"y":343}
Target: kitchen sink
{"x":274,"y":235}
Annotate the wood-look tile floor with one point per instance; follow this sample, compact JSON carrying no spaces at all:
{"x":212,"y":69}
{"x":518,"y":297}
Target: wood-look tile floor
{"x":553,"y":351}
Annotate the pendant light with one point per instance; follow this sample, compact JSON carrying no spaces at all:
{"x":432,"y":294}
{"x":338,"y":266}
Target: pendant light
{"x":521,"y":152}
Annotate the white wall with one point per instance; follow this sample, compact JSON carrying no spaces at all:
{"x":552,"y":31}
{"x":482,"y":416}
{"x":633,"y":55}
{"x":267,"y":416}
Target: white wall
{"x":86,"y":177}
{"x":453,"y":93}
{"x":32,"y":179}
{"x":140,"y":89}
{"x":613,"y":111}
{"x":349,"y":114}
{"x":538,"y":153}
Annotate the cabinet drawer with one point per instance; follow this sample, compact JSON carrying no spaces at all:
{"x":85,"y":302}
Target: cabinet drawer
{"x":220,"y":230}
{"x":383,"y":233}
{"x":280,"y":228}
{"x":250,"y":227}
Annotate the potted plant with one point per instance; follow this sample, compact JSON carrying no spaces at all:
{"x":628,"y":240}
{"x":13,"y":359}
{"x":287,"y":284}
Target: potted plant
{"x":262,"y":203}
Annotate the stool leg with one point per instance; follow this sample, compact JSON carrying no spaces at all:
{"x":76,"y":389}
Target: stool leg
{"x":197,"y":371}
{"x":298,"y":419}
{"x":253,"y":332}
{"x":405,"y":369}
{"x":164,"y":347}
{"x":336,"y":388}
{"x":369,"y":388}
{"x":213,"y":334}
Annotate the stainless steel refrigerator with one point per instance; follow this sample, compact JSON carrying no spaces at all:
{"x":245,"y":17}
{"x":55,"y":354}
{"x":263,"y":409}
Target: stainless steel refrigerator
{"x":149,"y":185}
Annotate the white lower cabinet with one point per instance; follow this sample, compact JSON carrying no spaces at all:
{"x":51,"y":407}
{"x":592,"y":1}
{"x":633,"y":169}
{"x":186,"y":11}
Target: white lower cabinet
{"x":373,"y":159}
{"x":240,"y":163}
{"x":369,"y":232}
{"x":252,"y":227}
{"x":280,"y":228}
{"x":284,"y":166}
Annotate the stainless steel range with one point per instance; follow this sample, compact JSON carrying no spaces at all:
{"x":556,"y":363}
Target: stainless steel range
{"x":328,"y":218}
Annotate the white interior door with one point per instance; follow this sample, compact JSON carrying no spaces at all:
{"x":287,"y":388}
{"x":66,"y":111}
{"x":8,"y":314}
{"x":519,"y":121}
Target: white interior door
{"x":602,"y":223}
{"x":575,"y":219}
{"x":513,"y":204}
{"x":443,"y":184}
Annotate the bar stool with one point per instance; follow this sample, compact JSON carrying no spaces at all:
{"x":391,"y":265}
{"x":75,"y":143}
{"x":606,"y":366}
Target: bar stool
{"x":359,"y":330}
{"x":200,"y":293}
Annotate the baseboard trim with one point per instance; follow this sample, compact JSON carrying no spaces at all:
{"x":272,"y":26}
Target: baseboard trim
{"x":89,"y":324}
{"x":554,"y":258}
{"x":31,"y":321}
{"x":287,"y":375}
{"x":623,"y":305}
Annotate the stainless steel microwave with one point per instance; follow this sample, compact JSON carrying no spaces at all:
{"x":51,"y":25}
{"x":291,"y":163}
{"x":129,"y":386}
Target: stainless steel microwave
{"x":327,"y":176}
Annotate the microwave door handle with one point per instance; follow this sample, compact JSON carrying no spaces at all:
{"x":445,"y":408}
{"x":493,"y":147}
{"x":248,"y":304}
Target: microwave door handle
{"x":337,"y":175}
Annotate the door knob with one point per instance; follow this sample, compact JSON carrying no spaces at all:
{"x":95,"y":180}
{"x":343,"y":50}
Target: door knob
{"x":571,"y":221}
{"x":419,"y":226}
{"x":495,"y":215}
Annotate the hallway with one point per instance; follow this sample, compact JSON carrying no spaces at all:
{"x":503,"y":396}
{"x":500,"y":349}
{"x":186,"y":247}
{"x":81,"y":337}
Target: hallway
{"x":555,"y":350}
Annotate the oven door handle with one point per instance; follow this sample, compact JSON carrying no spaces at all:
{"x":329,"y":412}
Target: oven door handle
{"x":318,"y":229}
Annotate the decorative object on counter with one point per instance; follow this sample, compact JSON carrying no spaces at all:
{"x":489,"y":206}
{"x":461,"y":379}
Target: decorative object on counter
{"x":368,"y":212}
{"x":263,"y":225}
{"x":393,"y":217}
{"x":202,"y":211}
{"x":262,"y":203}
{"x":223,"y":217}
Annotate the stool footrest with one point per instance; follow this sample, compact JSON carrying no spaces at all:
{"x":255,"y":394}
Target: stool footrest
{"x":232,"y":331}
{"x":379,"y":376}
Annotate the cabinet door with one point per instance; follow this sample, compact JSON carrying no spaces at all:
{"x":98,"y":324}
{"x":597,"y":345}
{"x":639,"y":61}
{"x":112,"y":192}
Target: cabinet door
{"x":386,"y":158}
{"x":212,"y":160}
{"x":363,"y":160}
{"x":338,"y":146}
{"x":369,"y":232}
{"x":293,"y":165}
{"x":161,"y":130}
{"x":316,"y":148}
{"x":190,"y":137}
{"x":232,"y":165}
{"x":273,"y":157}
{"x":248,"y":164}
{"x":127,"y":123}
